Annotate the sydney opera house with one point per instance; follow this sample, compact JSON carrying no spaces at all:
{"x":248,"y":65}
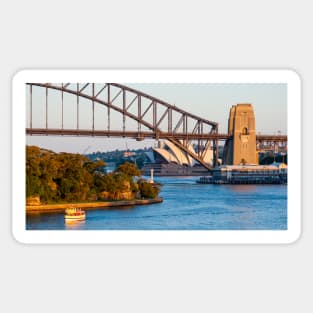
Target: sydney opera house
{"x":168,"y":160}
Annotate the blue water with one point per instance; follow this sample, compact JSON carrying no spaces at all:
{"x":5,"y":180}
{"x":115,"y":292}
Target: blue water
{"x":187,"y":206}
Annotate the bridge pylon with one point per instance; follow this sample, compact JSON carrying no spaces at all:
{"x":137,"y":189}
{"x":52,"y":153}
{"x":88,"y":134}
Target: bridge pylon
{"x":240,"y":148}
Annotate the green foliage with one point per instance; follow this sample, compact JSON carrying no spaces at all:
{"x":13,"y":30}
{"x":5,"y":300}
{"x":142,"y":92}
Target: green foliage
{"x":271,"y":158}
{"x":129,"y":169}
{"x":148,"y":190}
{"x":71,"y":177}
{"x":61,"y":177}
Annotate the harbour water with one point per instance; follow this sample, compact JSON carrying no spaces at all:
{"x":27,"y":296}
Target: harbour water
{"x":186,"y":206}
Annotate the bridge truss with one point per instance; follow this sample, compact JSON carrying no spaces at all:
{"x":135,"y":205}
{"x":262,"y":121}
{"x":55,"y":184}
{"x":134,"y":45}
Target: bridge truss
{"x":153,"y":118}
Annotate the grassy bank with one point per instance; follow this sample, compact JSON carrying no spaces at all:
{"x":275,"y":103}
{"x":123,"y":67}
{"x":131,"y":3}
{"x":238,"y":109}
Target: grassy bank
{"x":88,"y":205}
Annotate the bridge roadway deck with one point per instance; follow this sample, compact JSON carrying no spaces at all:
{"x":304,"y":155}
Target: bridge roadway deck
{"x":141,"y":135}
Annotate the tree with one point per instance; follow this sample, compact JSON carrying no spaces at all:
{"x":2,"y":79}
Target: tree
{"x":33,"y":182}
{"x":65,"y":176}
{"x":129,"y":169}
{"x":148,"y":190}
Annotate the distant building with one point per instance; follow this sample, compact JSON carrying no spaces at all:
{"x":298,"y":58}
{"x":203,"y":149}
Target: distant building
{"x":128,"y":154}
{"x":275,"y":173}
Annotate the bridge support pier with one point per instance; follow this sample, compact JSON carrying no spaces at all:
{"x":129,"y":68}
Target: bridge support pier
{"x":240,"y":148}
{"x":215,"y":149}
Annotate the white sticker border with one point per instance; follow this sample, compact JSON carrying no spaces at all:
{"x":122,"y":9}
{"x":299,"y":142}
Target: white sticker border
{"x":290,"y":77}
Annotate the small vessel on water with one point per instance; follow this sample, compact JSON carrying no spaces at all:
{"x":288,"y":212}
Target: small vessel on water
{"x":74,"y":214}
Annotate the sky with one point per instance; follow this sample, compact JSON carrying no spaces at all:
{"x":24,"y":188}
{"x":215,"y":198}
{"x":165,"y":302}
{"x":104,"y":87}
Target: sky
{"x":210,"y":101}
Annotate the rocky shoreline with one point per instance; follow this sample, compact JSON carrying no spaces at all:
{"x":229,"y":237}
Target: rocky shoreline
{"x":49,"y":208}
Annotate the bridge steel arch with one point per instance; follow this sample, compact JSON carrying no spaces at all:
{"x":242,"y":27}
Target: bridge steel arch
{"x":182,"y":130}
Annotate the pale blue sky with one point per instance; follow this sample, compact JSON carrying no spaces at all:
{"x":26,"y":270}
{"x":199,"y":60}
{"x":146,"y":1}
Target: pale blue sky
{"x":210,"y":101}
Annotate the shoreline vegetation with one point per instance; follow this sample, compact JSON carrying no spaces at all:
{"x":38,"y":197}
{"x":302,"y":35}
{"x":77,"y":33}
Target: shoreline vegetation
{"x":59,"y":180}
{"x":53,"y":208}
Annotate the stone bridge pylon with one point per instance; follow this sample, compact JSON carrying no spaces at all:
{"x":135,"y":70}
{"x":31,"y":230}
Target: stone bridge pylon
{"x":240,"y":148}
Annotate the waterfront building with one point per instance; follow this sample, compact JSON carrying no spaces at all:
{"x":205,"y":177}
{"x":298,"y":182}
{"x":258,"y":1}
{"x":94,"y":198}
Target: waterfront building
{"x":275,"y":173}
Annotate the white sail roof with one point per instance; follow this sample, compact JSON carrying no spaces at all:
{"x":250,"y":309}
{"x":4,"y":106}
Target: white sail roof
{"x":169,"y":157}
{"x":179,"y":154}
{"x":171,"y":153}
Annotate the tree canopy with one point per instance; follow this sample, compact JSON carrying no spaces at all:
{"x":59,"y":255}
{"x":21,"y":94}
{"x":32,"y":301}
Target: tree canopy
{"x":129,"y":169}
{"x":68,"y":177}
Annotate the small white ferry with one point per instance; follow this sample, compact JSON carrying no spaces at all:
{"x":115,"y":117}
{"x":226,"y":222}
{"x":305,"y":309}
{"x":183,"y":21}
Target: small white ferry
{"x":74,"y":214}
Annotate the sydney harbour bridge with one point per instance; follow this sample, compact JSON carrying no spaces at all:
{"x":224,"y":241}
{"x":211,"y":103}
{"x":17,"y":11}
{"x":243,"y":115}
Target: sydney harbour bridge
{"x":139,"y":116}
